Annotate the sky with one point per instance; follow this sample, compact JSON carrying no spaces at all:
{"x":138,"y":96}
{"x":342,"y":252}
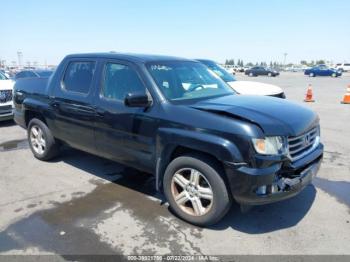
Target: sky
{"x":254,"y":30}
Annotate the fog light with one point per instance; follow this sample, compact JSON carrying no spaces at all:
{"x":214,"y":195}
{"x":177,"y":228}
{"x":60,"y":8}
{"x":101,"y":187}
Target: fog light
{"x":261,"y":190}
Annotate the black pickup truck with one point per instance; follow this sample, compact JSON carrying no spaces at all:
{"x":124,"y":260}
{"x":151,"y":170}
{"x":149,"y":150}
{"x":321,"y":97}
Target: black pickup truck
{"x":174,"y":118}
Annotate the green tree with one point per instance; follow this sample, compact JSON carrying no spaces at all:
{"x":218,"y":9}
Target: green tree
{"x":319,"y":62}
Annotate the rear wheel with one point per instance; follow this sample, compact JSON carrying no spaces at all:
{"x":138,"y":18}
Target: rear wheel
{"x":42,"y":144}
{"x":195,"y":189}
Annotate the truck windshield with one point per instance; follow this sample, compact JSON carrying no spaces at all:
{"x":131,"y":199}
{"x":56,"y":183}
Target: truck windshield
{"x":182,"y":80}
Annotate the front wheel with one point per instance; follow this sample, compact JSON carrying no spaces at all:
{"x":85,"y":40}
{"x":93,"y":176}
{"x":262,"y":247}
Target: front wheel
{"x":251,"y":74}
{"x":312,"y":75}
{"x":195,"y":189}
{"x":334,"y":75}
{"x":42,"y":144}
{"x":269,"y":74}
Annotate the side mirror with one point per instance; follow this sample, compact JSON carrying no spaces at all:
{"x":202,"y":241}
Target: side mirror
{"x":137,"y":100}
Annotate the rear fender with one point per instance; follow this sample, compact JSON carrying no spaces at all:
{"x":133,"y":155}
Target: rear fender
{"x":35,"y":105}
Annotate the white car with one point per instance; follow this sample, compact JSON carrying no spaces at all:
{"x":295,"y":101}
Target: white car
{"x":345,"y":67}
{"x":256,"y":88}
{"x":244,"y":87}
{"x":231,"y":69}
{"x":6,"y":105}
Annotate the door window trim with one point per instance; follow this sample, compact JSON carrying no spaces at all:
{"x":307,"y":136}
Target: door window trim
{"x":81,"y":60}
{"x":103,"y":78}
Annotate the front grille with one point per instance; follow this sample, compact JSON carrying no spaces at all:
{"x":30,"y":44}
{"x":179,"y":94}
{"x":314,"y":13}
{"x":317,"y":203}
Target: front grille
{"x":300,"y":146}
{"x":5,"y":96}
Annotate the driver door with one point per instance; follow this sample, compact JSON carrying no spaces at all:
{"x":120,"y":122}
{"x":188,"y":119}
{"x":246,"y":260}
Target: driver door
{"x":124,"y":134}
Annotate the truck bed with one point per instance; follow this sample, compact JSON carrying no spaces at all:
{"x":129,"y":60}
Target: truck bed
{"x":34,"y":86}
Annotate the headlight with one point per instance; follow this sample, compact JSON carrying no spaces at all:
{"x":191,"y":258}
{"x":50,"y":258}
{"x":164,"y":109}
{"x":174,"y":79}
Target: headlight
{"x":272,"y":145}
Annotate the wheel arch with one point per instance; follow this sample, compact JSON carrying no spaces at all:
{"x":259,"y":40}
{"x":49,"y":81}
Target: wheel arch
{"x":33,"y":109}
{"x":172,"y":143}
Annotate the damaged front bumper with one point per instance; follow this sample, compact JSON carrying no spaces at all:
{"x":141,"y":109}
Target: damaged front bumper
{"x":250,"y":186}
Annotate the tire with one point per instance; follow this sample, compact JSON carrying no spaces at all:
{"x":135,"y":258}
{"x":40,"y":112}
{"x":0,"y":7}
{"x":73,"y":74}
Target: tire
{"x":269,"y":74}
{"x":334,"y":75}
{"x":41,"y":142}
{"x":312,"y":75}
{"x":251,"y":74}
{"x":215,"y":201}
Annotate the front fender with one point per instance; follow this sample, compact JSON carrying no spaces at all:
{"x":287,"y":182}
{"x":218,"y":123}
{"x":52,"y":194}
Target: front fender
{"x":168,"y":139}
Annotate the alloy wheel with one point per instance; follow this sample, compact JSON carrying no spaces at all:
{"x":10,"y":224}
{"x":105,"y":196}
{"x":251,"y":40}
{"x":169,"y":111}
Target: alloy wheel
{"x":192,"y":191}
{"x":37,"y":140}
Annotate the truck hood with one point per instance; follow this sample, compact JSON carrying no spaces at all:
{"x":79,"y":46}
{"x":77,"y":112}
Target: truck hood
{"x":6,"y":84}
{"x":255,"y":88}
{"x":273,"y":115}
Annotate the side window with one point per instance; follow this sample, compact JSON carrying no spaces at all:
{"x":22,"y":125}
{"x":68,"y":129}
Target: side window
{"x":119,"y":80}
{"x":78,"y":77}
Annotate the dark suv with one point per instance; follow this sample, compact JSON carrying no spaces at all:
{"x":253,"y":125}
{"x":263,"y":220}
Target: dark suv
{"x":176,"y":119}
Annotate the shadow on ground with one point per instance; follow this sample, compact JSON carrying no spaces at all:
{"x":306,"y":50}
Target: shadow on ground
{"x":260,"y":219}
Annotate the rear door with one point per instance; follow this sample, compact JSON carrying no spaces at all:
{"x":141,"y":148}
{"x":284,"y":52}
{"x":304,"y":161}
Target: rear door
{"x":71,"y":100}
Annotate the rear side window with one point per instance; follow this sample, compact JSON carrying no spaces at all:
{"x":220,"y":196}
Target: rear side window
{"x":78,"y":77}
{"x":119,"y":81}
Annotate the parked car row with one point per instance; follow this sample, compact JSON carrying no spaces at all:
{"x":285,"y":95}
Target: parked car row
{"x":235,"y":68}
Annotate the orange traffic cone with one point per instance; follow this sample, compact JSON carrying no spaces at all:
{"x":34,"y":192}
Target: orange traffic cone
{"x":309,"y":95}
{"x":346,"y":99}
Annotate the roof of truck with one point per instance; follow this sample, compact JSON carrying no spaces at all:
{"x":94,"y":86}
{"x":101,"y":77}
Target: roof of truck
{"x":143,"y":58}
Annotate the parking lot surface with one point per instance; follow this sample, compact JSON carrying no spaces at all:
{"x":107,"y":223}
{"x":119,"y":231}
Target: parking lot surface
{"x":83,"y":204}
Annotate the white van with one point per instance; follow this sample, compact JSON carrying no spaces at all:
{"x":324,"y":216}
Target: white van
{"x":345,"y":67}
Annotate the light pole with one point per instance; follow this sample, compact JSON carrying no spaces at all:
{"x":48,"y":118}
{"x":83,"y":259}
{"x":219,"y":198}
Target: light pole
{"x":285,"y":58}
{"x":20,"y":57}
